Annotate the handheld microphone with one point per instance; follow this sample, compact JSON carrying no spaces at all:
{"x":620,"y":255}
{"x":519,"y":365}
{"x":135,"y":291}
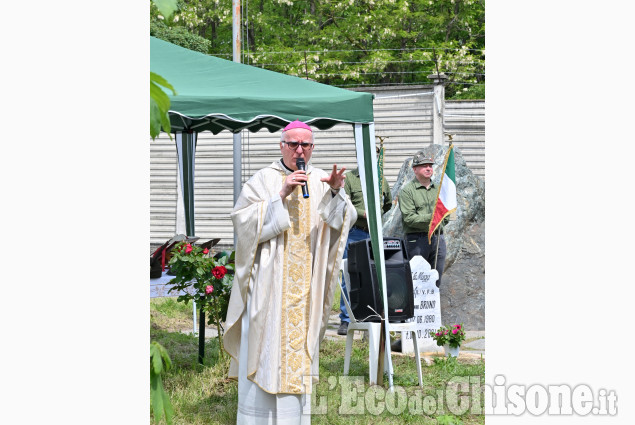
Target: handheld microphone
{"x":302,"y":166}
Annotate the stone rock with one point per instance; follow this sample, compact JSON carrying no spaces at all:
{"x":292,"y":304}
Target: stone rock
{"x":463,"y":283}
{"x":463,"y":287}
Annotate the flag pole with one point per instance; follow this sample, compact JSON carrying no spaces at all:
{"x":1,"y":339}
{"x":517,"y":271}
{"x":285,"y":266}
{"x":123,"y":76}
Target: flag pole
{"x":436,"y":254}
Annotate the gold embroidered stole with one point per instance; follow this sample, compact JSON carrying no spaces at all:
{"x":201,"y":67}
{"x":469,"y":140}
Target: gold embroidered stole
{"x":296,"y":285}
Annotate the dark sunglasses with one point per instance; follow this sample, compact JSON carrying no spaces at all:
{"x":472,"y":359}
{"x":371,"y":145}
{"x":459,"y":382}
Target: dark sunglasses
{"x":294,"y":145}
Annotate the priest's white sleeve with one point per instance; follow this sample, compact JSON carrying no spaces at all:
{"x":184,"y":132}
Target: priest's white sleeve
{"x":333,"y":208}
{"x":276,"y":219}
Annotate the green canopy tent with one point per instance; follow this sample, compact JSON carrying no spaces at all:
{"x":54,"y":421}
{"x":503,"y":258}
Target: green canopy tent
{"x":215,"y":94}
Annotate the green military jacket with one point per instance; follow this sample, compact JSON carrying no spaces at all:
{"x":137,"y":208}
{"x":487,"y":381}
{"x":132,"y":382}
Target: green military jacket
{"x":416,"y":204}
{"x":353,"y":188}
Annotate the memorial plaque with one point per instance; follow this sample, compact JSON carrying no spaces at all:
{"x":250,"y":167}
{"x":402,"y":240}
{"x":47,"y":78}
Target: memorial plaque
{"x":427,"y":307}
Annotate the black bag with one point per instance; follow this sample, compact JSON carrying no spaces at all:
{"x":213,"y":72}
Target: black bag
{"x":210,"y":243}
{"x":161,"y":256}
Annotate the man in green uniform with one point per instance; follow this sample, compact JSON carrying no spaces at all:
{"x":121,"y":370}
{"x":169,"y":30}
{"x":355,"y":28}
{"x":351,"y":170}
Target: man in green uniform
{"x":416,"y":202}
{"x":359,"y":231}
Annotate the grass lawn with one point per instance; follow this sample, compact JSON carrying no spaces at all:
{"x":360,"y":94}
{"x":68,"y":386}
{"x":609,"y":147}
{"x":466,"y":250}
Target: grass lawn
{"x":202,"y":394}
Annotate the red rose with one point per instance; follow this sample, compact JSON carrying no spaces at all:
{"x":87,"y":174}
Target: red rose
{"x":188,"y":248}
{"x":205,"y":251}
{"x":219,"y":272}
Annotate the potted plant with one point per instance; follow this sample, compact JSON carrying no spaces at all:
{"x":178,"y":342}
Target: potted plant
{"x":450,"y":338}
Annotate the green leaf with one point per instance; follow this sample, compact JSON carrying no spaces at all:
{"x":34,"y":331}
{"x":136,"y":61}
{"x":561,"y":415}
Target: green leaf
{"x":159,"y":399}
{"x":154,"y":353}
{"x":167,"y":407}
{"x":160,"y":97}
{"x":160,"y":354}
{"x":159,"y":105}
{"x":156,"y":79}
{"x":156,"y":398}
{"x":165,"y":123}
{"x":155,"y":119}
{"x":167,"y":363}
{"x":156,"y":362}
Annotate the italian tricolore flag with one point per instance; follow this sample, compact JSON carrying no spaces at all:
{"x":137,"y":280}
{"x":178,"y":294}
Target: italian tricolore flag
{"x":446,"y":201}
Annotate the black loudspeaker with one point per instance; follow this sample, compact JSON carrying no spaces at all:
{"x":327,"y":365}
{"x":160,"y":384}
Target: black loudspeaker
{"x":363,"y":289}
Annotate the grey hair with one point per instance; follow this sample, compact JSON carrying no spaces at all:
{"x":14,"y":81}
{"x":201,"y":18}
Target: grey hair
{"x":282,"y":136}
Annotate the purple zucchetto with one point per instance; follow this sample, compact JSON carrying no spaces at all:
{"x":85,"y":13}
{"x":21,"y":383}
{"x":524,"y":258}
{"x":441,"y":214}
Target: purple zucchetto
{"x":297,"y":124}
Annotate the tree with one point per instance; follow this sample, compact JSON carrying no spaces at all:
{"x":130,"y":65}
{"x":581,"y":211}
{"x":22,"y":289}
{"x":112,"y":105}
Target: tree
{"x":180,"y":36}
{"x":350,"y":42}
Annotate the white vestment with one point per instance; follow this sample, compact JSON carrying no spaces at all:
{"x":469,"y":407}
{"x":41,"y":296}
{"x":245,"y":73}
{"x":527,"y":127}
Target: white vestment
{"x":288,"y":256}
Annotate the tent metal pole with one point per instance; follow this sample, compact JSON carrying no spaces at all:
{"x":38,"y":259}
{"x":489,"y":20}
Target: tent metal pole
{"x":237,"y":171}
{"x":367,"y":164}
{"x":236,"y":48}
{"x":186,"y":151}
{"x":201,"y":333}
{"x":193,"y":317}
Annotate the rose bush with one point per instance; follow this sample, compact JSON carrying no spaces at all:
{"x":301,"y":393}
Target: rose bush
{"x":204,"y":278}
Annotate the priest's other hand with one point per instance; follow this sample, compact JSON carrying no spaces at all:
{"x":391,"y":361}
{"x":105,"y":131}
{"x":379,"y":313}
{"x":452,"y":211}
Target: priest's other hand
{"x":336,"y":179}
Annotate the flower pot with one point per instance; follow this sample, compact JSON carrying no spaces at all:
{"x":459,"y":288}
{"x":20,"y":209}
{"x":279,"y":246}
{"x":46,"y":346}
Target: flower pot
{"x":451,"y":351}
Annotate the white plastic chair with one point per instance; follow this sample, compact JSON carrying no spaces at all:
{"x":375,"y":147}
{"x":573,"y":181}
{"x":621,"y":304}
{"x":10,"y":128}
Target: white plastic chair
{"x":373,"y":329}
{"x":407,"y":327}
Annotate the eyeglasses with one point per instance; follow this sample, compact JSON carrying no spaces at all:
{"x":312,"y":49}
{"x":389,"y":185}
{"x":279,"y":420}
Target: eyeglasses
{"x":294,"y":145}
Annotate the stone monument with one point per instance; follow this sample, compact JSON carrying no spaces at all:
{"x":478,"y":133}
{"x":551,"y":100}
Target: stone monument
{"x":427,"y":307}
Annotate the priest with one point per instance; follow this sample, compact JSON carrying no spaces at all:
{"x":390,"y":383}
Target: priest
{"x":291,"y":221}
